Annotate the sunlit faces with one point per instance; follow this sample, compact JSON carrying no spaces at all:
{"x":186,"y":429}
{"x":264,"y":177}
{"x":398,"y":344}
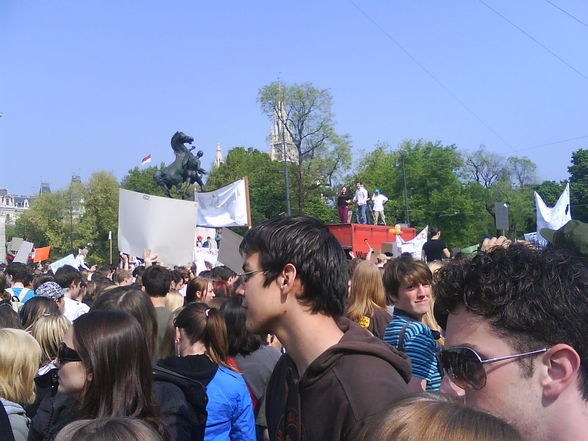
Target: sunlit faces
{"x":507,"y":393}
{"x":208,"y":295}
{"x":72,"y":374}
{"x":413,"y":298}
{"x":264,"y":304}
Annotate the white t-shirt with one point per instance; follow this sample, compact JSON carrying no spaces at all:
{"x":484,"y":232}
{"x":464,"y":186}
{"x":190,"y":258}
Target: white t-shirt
{"x":73,"y":309}
{"x":361,"y":196}
{"x":379,"y":201}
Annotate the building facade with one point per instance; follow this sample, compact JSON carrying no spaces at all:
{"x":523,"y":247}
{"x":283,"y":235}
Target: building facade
{"x":12,"y":206}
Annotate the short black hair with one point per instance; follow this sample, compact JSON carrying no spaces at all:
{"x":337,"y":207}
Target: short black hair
{"x":157,"y":280}
{"x":19,"y":272}
{"x":222,"y":273}
{"x":67,"y":274}
{"x":535,"y":298}
{"x":306,"y":243}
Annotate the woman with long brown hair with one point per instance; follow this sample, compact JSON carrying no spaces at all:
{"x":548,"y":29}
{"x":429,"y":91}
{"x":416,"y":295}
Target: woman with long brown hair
{"x":201,"y":355}
{"x":104,"y":363}
{"x":367,"y":301}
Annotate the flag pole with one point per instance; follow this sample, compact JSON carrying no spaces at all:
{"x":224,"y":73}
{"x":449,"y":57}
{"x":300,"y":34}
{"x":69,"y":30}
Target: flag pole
{"x":248,"y":205}
{"x":110,"y":245}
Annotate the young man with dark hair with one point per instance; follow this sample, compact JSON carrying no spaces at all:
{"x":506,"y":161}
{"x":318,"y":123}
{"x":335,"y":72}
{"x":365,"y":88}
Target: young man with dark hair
{"x":19,"y":276}
{"x":516,"y":338}
{"x":70,"y":279}
{"x":335,"y":374}
{"x":156,"y":283}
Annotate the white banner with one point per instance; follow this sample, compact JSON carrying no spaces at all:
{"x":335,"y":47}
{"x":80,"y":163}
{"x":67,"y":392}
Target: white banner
{"x":413,"y":246}
{"x":67,"y":260}
{"x":164,"y":225}
{"x":2,"y":240}
{"x":225,"y":207}
{"x":553,"y":218}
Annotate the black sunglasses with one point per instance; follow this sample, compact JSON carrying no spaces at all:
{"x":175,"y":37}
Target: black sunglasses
{"x":465,"y":367}
{"x":65,"y":354}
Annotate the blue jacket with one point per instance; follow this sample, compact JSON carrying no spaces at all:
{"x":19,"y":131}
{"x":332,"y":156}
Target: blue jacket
{"x":230,"y":412}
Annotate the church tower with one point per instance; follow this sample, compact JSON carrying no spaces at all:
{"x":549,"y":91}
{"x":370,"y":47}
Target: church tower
{"x":218,"y":157}
{"x":282,"y":147}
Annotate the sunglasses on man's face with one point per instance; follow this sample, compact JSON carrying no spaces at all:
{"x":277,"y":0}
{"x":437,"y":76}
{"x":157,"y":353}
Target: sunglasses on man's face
{"x":465,"y":367}
{"x":65,"y":354}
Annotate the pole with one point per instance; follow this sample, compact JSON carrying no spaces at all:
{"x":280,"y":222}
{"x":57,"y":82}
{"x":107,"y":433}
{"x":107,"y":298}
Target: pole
{"x":110,"y":246}
{"x":284,"y":158}
{"x":406,"y":215}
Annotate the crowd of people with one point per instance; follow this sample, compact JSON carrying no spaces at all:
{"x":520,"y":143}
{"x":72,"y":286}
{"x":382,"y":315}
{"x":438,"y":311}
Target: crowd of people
{"x":303,"y":344}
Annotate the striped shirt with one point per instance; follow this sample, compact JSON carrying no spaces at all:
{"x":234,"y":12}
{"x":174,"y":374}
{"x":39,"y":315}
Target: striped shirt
{"x":419,"y":345}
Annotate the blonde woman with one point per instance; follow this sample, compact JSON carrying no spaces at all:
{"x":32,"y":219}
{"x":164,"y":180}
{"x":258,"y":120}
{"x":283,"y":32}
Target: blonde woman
{"x":430,"y":416}
{"x":20,"y":356}
{"x":367,"y":300}
{"x":48,"y":330}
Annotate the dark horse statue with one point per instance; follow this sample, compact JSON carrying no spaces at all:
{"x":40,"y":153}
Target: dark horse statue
{"x":184,"y":171}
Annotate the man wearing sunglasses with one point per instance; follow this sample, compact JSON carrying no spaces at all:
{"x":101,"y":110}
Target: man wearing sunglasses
{"x":516,"y":340}
{"x":335,"y":373}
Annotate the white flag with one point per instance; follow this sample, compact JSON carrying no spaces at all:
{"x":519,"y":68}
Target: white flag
{"x":555,"y":217}
{"x":225,"y":207}
{"x":163,"y":225}
{"x":415,"y":245}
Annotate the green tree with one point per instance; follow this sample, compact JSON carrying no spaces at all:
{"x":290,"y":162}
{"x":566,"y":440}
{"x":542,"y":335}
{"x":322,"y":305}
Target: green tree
{"x":305,"y":114}
{"x":435,"y":194}
{"x":579,"y":184}
{"x":266,"y":180}
{"x":142,"y":181}
{"x":100,"y":215}
{"x":550,"y":191}
{"x":45,"y":223}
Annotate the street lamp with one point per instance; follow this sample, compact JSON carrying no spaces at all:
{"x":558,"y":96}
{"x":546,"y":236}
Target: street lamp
{"x":405,"y":189}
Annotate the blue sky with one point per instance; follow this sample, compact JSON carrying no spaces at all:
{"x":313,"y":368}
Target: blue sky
{"x":96,"y":85}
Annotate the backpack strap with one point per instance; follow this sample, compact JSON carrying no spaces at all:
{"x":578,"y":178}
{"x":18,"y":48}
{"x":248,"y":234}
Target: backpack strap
{"x":5,"y":426}
{"x":401,"y":336}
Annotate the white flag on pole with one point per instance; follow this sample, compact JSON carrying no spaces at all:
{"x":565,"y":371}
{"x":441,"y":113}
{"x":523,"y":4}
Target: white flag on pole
{"x":555,"y":217}
{"x":225,"y":207}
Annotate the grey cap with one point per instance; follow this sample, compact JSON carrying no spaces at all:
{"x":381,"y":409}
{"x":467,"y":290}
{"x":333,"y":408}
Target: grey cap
{"x":50,"y":290}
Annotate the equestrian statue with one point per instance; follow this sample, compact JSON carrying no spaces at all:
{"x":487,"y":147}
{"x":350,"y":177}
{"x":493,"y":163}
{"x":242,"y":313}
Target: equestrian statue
{"x":184,"y":171}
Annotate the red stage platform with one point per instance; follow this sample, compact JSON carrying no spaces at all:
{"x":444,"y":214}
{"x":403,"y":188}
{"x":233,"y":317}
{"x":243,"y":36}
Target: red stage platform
{"x":353,"y":236}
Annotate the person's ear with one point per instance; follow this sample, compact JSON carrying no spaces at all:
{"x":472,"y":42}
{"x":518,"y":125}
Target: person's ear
{"x":178,"y":334}
{"x":560,"y":369}
{"x":287,"y":277}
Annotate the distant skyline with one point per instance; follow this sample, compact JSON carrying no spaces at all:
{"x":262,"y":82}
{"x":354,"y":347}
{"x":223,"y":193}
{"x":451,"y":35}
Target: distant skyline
{"x":90,"y":86}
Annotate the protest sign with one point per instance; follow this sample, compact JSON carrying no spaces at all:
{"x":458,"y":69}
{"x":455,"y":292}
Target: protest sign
{"x":163,"y":225}
{"x":22,"y":255}
{"x":67,"y":260}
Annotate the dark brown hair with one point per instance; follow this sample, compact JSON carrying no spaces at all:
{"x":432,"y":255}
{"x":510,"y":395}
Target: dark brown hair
{"x":135,"y":302}
{"x":113,"y":350}
{"x":404,"y":270}
{"x":205,"y":324}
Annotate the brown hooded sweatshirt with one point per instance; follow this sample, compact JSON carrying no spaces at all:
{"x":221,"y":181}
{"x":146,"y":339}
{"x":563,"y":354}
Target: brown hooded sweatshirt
{"x":352,"y":380}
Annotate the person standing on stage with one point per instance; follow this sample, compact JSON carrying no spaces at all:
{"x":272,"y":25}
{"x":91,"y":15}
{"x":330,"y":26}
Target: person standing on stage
{"x":343,"y":201}
{"x":379,"y":200}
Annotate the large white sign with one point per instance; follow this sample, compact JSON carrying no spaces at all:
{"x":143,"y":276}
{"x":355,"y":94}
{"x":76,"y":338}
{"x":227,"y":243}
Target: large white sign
{"x":163,"y":225}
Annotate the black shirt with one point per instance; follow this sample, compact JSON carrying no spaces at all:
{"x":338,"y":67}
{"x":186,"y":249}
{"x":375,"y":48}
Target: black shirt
{"x":433,"y":249}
